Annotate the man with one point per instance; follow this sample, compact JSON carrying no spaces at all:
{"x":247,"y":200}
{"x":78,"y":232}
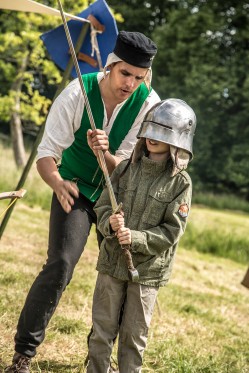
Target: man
{"x":119,"y":99}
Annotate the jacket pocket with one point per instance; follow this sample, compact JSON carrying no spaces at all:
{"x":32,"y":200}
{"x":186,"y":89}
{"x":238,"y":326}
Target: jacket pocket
{"x":156,"y":207}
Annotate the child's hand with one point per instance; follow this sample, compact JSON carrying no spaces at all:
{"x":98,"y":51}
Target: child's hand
{"x":117,"y":221}
{"x":124,"y":236}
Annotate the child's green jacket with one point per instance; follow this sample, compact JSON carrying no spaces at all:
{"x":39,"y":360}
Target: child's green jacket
{"x":156,"y":206}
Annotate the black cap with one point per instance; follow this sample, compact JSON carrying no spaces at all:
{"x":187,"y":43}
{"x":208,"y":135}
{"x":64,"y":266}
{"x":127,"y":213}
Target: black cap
{"x":135,"y":48}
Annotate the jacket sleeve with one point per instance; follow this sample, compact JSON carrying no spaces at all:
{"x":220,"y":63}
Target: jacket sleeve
{"x":103,"y":207}
{"x":165,"y":236}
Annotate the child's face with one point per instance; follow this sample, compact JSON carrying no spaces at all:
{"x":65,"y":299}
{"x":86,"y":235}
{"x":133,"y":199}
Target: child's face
{"x":157,"y":147}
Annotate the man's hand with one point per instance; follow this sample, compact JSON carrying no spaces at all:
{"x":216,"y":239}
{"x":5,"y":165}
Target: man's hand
{"x":124,"y":236}
{"x":65,"y":191}
{"x":97,"y":140}
{"x":117,"y":221}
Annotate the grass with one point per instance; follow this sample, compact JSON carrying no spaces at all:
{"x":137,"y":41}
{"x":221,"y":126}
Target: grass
{"x":221,"y":201}
{"x":200,"y":324}
{"x":10,"y":176}
{"x":222,"y":233}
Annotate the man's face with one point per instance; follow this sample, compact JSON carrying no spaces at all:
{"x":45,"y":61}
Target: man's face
{"x":125,"y":79}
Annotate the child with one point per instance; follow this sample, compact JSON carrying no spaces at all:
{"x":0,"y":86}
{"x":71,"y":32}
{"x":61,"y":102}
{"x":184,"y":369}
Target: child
{"x":156,"y":195}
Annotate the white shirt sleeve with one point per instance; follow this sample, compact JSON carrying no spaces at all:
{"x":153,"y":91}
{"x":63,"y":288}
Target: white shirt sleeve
{"x":63,"y":121}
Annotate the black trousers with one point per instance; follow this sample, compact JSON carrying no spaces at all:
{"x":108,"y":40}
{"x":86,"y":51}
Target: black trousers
{"x":68,"y":234}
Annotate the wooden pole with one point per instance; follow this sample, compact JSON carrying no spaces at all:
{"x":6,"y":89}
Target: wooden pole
{"x":32,"y":156}
{"x":245,"y":280}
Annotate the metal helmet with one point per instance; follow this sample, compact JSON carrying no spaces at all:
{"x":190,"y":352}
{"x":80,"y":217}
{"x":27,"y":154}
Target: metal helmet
{"x":171,"y":121}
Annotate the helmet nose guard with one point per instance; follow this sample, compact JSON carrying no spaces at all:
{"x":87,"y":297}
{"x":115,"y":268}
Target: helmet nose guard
{"x":171,"y":121}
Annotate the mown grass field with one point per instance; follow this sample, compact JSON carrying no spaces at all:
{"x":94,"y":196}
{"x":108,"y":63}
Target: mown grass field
{"x":201,"y":322}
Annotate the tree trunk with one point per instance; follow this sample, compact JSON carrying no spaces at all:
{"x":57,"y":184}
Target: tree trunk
{"x":15,"y":121}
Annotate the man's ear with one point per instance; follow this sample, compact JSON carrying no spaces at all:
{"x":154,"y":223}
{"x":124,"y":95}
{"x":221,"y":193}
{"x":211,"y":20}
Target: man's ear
{"x":108,"y":68}
{"x":111,"y":66}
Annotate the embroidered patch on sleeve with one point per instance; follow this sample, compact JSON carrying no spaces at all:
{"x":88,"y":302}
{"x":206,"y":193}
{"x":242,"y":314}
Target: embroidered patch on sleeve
{"x":183,"y":210}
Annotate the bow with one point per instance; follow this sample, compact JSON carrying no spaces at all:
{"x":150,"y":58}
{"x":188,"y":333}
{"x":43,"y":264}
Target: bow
{"x":14,"y":195}
{"x":133,"y":273}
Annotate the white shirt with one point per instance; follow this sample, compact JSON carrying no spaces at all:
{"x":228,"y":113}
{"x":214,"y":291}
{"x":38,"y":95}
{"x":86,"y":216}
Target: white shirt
{"x":65,"y":116}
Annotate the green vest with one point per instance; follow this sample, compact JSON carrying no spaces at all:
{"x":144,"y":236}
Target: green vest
{"x":78,"y":161}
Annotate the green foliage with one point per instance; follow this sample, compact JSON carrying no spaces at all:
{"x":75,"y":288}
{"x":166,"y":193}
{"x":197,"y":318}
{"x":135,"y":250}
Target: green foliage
{"x":206,"y":241}
{"x":221,"y":233}
{"x":20,"y":43}
{"x":220,"y":201}
{"x":202,"y":59}
{"x":31,"y":99}
{"x":140,"y":15}
{"x":6,"y":103}
{"x":41,"y":105}
{"x":22,"y":60}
